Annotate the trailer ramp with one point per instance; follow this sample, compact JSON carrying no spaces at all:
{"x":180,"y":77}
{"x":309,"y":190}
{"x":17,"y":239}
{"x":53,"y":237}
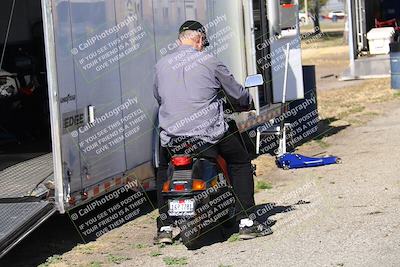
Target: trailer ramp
{"x":371,"y":67}
{"x":21,"y":179}
{"x":22,"y":207}
{"x":17,"y":220}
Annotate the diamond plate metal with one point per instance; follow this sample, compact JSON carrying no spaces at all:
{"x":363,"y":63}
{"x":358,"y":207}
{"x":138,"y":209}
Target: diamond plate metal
{"x":20,"y":179}
{"x":17,"y":220}
{"x":14,"y":215}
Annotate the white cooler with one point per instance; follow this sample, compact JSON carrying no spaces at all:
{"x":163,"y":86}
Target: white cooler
{"x":379,"y":40}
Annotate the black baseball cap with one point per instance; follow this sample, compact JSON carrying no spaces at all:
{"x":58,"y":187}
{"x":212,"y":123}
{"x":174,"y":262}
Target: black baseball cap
{"x":192,"y":25}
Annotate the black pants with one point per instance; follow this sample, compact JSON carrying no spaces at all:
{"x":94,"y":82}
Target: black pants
{"x":240,"y":171}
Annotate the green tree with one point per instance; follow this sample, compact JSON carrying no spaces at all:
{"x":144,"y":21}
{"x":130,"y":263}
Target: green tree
{"x":314,"y":8}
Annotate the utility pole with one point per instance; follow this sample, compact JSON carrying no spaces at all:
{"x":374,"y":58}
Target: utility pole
{"x":317,"y":28}
{"x":306,"y":10}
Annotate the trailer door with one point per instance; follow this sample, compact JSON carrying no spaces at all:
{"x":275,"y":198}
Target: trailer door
{"x":104,"y":55}
{"x":26,"y":198}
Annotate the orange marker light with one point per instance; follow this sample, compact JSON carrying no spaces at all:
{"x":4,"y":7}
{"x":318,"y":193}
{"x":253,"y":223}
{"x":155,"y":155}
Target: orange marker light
{"x":165,"y":187}
{"x":214,"y":182}
{"x":198,"y":185}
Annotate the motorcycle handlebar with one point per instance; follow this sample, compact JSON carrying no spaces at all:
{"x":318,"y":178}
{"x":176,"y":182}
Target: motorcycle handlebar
{"x":234,"y":106}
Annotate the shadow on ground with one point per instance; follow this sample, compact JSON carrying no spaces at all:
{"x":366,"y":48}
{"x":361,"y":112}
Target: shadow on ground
{"x":323,"y":36}
{"x":221,"y":233}
{"x":325,"y":129}
{"x":57,"y":236}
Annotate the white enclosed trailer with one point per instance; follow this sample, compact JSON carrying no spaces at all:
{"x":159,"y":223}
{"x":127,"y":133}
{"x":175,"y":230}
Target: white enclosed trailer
{"x":99,"y":60}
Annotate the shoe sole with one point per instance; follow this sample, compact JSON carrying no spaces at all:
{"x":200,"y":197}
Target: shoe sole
{"x":164,"y":240}
{"x":246,"y":236}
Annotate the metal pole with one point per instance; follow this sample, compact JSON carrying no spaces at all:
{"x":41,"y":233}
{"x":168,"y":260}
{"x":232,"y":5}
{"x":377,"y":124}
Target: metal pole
{"x":7,"y":33}
{"x":306,"y":10}
{"x":286,"y":74}
{"x":282,"y":139}
{"x":351,"y":40}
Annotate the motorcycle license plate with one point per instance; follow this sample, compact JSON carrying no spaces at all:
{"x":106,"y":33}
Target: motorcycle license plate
{"x":181,"y":207}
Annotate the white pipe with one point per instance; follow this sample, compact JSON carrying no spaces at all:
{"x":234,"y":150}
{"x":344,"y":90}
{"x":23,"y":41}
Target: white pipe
{"x":286,"y":73}
{"x":282,"y":140}
{"x":351,"y":41}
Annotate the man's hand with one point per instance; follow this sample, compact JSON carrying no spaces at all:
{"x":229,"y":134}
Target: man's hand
{"x":252,"y":106}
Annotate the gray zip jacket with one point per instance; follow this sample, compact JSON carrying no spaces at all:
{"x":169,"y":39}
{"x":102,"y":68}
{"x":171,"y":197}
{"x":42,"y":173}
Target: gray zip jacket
{"x":187,"y":87}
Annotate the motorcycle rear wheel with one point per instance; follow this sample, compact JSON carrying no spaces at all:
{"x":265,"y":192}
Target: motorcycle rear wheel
{"x":188,"y":235}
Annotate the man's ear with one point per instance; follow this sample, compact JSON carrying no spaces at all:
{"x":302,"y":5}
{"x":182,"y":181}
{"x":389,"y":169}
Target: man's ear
{"x":197,"y":38}
{"x":199,"y":41}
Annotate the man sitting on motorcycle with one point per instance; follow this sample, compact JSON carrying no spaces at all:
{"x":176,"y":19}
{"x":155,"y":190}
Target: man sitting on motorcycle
{"x":187,"y":88}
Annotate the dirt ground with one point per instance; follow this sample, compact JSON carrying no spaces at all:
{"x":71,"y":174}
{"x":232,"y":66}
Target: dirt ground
{"x":328,"y":52}
{"x":337,"y":215}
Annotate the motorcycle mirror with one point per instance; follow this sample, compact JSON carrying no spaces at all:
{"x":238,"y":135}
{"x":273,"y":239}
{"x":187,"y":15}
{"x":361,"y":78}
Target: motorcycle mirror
{"x":254,"y":80}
